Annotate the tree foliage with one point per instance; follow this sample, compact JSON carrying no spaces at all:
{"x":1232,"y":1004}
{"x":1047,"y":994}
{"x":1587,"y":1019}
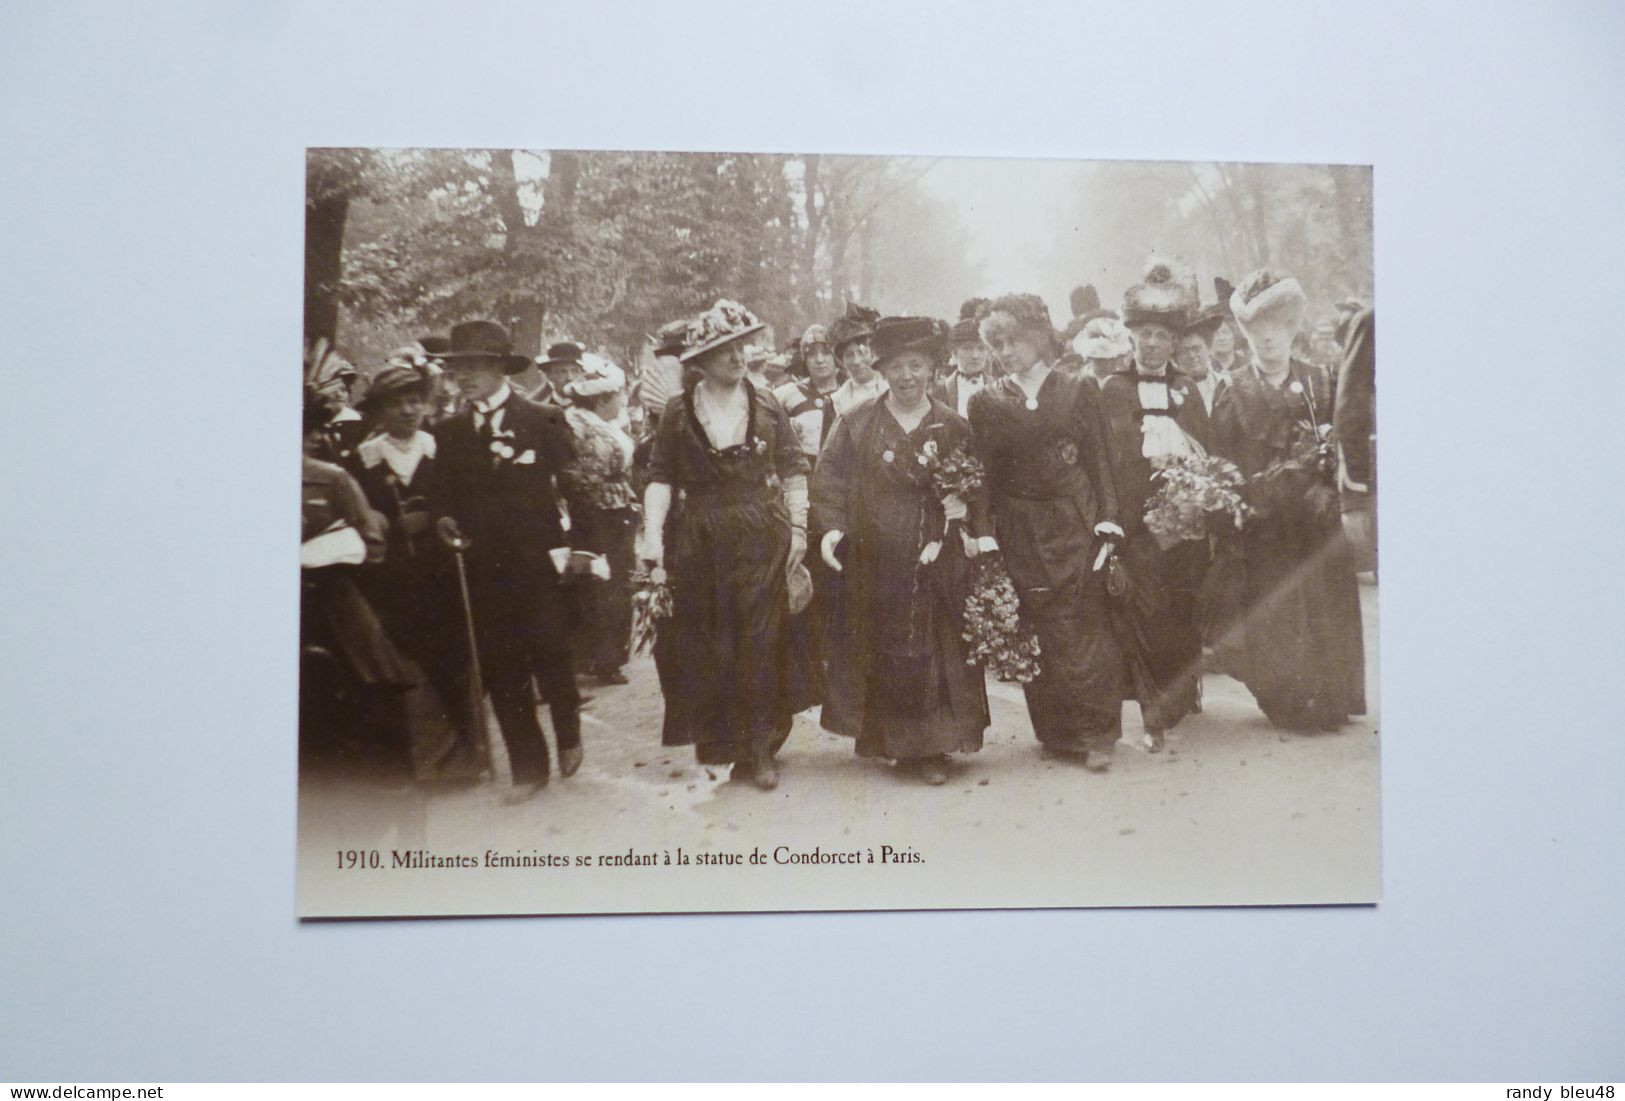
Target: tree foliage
{"x":604,"y":247}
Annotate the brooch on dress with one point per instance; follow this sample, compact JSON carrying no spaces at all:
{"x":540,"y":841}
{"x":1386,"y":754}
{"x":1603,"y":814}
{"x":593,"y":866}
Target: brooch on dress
{"x":888,"y":455}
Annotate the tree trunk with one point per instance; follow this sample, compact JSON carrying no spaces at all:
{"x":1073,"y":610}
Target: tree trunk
{"x":324,"y":251}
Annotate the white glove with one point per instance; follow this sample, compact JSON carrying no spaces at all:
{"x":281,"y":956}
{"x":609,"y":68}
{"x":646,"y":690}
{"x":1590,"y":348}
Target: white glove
{"x":928,"y":554}
{"x":826,"y":549}
{"x":953,"y":508}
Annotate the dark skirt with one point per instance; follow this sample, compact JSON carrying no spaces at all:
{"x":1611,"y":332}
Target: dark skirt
{"x":1076,"y":701}
{"x":1299,"y":648}
{"x":898,"y":681}
{"x":607,"y":605}
{"x":1158,"y":630}
{"x":727,"y":643}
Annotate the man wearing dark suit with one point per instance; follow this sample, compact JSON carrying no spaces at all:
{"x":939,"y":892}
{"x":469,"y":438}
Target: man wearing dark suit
{"x":970,"y":367}
{"x":495,"y":496}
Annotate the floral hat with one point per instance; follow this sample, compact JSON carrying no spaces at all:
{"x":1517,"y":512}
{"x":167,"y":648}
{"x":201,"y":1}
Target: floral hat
{"x":598,"y":376}
{"x":723,"y":322}
{"x":814,"y":335}
{"x":1103,"y":338}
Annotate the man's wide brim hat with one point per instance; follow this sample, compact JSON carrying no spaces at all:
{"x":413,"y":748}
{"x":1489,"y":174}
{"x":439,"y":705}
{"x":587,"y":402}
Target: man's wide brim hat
{"x":894,"y":335}
{"x":1165,"y":296}
{"x":1206,"y":322}
{"x":390,"y":382}
{"x":724,"y":322}
{"x":564,"y":352}
{"x":475,"y":341}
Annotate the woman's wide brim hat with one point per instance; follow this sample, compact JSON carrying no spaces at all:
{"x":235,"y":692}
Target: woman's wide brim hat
{"x":390,"y":382}
{"x":722,"y":323}
{"x":1266,"y":293}
{"x":1166,"y":295}
{"x":894,"y":335}
{"x":476,"y":341}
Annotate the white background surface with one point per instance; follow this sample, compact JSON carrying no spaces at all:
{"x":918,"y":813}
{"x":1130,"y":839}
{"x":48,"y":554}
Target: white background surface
{"x":151,"y":175}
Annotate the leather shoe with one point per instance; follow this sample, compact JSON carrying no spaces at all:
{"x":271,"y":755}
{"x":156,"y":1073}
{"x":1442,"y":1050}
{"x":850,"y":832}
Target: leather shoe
{"x":766,"y":774}
{"x":934,"y":771}
{"x":523,"y":793}
{"x":1097,"y":760}
{"x":569,"y":760}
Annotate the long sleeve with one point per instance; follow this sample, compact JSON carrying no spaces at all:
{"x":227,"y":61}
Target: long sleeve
{"x":1091,"y":428}
{"x":832,"y":480}
{"x":368,"y":523}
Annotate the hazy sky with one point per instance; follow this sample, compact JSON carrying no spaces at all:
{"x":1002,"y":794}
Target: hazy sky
{"x":1012,"y":210}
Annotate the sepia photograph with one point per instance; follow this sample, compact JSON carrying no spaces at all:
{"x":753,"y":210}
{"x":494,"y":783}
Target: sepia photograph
{"x":696,"y":532}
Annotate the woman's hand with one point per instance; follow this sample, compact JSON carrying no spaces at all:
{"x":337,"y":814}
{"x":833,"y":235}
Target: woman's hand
{"x":826,"y":549}
{"x":1109,"y":535}
{"x":928,"y":553}
{"x":798,"y":547}
{"x":953,"y":508}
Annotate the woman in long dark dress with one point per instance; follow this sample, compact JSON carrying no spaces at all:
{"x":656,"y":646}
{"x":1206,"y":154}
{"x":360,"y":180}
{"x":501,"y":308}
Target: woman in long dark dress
{"x":898,"y":681}
{"x":1042,"y":438}
{"x":414,"y":588}
{"x":729,"y":450}
{"x":604,"y":517}
{"x":1154,"y":415}
{"x":1297,"y":643}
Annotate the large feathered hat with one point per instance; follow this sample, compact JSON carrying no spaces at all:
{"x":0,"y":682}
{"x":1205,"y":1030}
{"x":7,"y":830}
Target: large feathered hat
{"x":325,"y":370}
{"x":1166,"y":295}
{"x":1267,"y":292}
{"x":722,"y":323}
{"x":1084,"y":299}
{"x":856,"y":324}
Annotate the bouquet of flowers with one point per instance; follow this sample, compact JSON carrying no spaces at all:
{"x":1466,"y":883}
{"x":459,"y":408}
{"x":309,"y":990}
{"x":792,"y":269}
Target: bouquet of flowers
{"x":651,"y":606}
{"x":1304,"y":480}
{"x":993,"y":628}
{"x":1194,"y":493}
{"x":957,"y":472}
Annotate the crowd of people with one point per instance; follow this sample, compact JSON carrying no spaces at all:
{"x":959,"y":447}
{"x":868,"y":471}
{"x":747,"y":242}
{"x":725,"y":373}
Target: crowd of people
{"x":472,"y":536}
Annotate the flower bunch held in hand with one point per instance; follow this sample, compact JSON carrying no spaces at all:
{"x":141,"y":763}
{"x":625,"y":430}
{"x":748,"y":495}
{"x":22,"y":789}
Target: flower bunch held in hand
{"x":1197,"y":495}
{"x":997,"y":637}
{"x":1302,"y":482}
{"x":955,"y":473}
{"x":651,"y":606}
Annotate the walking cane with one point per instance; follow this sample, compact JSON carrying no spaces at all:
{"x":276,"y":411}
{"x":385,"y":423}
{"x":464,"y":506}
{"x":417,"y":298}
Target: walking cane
{"x":476,"y":684}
